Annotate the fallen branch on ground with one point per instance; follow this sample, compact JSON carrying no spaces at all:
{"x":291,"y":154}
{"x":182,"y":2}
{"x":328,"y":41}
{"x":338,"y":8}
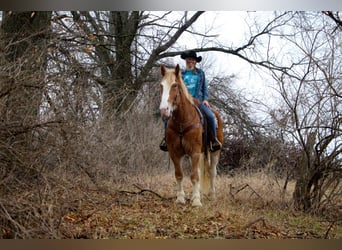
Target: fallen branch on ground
{"x":143,"y":190}
{"x":332,"y":223}
{"x":241,"y":188}
{"x":253,"y":191}
{"x":255,"y":221}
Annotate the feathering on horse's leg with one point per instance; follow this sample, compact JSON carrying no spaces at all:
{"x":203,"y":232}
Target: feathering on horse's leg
{"x":213,"y":173}
{"x":196,"y":197}
{"x":180,"y":192}
{"x":179,"y":178}
{"x":204,"y":166}
{"x":195,"y":179}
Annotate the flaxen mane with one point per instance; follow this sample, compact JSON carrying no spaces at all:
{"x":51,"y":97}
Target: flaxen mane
{"x":184,"y":88}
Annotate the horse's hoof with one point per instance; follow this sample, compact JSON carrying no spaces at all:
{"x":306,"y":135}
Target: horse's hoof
{"x":180,"y":201}
{"x":196,"y":203}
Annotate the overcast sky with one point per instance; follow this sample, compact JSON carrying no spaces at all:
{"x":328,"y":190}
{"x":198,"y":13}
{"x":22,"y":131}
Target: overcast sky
{"x":232,"y":30}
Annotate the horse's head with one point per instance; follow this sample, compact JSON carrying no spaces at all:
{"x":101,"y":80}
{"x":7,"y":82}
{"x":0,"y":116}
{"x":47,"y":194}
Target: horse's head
{"x":169,"y":89}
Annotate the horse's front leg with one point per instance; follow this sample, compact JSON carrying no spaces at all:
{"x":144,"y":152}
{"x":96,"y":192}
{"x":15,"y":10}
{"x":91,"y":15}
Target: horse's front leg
{"x":179,"y":178}
{"x":195,"y":179}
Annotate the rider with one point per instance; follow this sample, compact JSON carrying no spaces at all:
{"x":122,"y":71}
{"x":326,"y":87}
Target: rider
{"x":194,"y":79}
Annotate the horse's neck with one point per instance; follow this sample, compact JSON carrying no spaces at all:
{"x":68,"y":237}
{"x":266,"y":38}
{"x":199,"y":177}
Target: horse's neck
{"x":185,"y":111}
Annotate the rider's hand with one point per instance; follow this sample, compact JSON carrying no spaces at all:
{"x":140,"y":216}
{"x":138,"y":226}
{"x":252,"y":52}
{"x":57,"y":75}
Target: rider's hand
{"x":206,"y":103}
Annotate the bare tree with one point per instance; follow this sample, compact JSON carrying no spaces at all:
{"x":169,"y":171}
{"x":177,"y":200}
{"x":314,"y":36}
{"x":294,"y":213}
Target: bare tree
{"x":336,"y":17}
{"x":313,"y":114}
{"x":124,"y":46}
{"x":24,"y":39}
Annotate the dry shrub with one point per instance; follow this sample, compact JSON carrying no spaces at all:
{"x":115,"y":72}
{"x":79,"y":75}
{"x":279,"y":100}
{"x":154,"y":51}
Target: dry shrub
{"x":261,"y":187}
{"x":127,"y":146}
{"x":68,"y":160}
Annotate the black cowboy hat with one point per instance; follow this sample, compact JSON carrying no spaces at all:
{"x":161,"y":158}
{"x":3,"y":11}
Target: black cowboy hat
{"x":191,"y":54}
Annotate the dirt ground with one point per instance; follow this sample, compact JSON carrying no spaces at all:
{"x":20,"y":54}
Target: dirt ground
{"x":245,"y":208}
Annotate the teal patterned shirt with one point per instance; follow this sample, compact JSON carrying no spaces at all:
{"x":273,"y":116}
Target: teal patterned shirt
{"x":191,"y":81}
{"x":200,"y":91}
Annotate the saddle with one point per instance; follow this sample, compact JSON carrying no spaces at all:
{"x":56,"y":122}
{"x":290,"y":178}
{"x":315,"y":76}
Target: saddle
{"x":207,"y":136}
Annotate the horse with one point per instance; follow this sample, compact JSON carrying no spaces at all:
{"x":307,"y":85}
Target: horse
{"x":184,"y":137}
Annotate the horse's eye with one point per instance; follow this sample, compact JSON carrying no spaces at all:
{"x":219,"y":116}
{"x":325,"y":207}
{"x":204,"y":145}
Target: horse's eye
{"x":174,"y":85}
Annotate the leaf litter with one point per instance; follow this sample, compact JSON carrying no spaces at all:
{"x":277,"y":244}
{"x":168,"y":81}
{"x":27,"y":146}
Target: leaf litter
{"x":146,"y":214}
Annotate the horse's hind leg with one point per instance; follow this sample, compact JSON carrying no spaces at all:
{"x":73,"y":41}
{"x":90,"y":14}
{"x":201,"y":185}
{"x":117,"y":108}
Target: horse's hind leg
{"x":179,"y":178}
{"x":214,"y":158}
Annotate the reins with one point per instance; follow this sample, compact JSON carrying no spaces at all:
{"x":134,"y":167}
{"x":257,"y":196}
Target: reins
{"x":182,"y":128}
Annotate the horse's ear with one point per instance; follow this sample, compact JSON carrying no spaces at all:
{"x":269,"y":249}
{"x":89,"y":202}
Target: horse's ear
{"x":162,"y":70}
{"x":177,"y":70}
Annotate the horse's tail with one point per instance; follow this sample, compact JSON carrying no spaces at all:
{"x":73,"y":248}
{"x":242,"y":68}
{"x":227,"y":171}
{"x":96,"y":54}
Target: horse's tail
{"x":205,"y":172}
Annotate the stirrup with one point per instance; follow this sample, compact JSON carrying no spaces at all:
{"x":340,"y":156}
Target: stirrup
{"x":163,"y":146}
{"x":215,"y":145}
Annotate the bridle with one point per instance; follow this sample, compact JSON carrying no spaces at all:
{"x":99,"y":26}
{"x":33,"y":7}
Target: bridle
{"x":182,"y":128}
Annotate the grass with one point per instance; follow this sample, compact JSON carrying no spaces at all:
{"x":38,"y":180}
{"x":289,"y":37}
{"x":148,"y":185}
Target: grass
{"x":246,"y":206}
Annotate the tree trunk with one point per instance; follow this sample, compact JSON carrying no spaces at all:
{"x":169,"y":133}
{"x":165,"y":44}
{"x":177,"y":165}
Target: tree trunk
{"x":302,"y":194}
{"x":121,"y":91}
{"x":24,"y":38}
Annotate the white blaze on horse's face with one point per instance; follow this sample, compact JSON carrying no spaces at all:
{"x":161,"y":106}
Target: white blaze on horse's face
{"x":168,"y":85}
{"x":165,"y":106}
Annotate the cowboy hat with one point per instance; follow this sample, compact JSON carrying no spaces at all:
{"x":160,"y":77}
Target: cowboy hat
{"x":191,"y":54}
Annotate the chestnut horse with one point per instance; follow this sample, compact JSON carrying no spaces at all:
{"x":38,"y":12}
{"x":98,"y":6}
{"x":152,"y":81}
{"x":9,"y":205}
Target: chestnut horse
{"x":184,"y":136}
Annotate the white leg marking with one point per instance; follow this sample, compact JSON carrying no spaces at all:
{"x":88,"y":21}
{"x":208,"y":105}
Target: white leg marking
{"x":180,"y":192}
{"x":196,"y":196}
{"x":213,"y":173}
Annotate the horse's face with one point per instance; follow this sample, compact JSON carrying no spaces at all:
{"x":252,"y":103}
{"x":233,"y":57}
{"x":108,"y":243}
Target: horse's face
{"x":169,"y":90}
